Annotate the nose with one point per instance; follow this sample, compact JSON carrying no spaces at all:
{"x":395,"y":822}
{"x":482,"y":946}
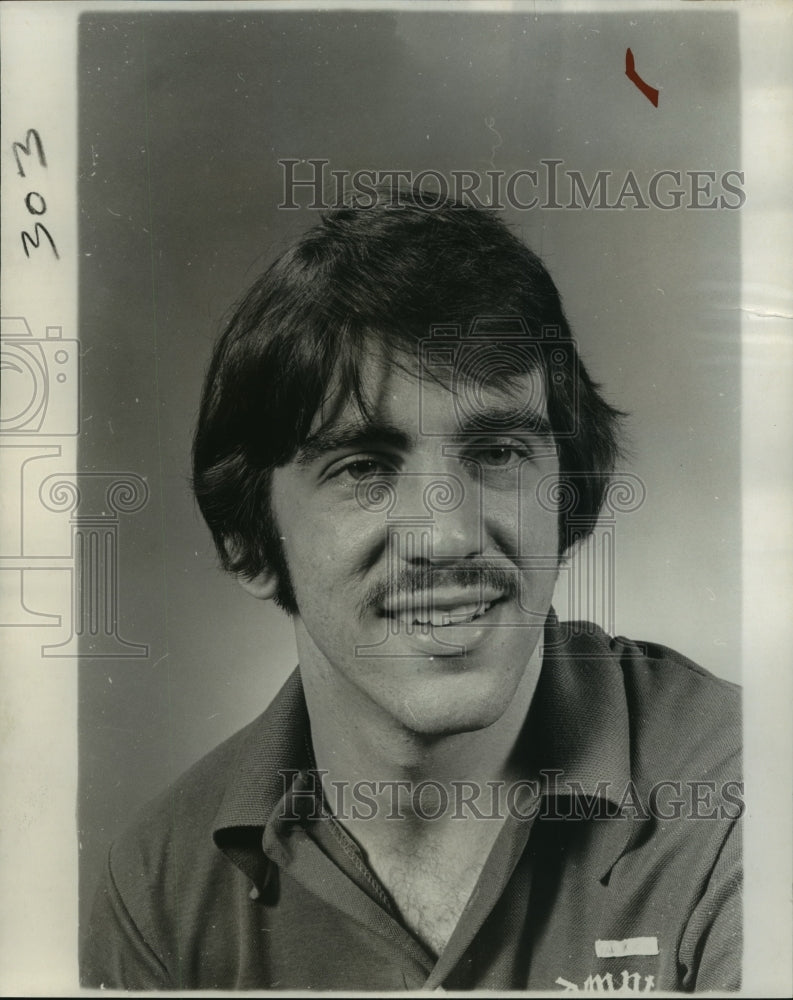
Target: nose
{"x":447,"y":509}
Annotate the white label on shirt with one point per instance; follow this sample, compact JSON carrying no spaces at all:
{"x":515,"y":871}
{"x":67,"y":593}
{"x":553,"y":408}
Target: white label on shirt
{"x":628,"y":946}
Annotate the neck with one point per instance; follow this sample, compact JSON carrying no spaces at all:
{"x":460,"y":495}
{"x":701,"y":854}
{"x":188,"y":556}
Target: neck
{"x":355,"y":744}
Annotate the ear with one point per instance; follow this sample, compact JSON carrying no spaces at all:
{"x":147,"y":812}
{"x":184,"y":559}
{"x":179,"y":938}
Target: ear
{"x":262,"y":587}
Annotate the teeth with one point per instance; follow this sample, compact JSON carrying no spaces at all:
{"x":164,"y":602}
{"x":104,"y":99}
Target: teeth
{"x":448,"y":616}
{"x":466,"y":613}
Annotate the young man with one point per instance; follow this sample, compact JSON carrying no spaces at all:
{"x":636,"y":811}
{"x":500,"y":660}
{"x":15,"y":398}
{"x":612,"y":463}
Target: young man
{"x":398,"y":444}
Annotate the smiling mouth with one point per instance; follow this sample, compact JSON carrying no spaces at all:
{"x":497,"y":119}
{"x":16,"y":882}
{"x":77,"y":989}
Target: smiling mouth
{"x":440,"y":615}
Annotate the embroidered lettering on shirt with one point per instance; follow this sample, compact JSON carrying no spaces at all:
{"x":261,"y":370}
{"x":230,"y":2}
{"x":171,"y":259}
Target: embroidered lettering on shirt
{"x":627,"y":983}
{"x":628,"y":946}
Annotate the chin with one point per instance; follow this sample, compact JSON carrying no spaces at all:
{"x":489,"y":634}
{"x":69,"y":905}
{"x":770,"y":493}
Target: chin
{"x":442,"y":714}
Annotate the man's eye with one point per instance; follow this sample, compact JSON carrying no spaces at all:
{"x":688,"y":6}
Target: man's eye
{"x":498,"y":456}
{"x":361,"y":467}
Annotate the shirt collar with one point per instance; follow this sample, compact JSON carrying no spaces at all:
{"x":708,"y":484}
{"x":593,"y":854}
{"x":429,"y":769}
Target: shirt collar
{"x":579,"y":737}
{"x":578,"y":723}
{"x":271,"y":748}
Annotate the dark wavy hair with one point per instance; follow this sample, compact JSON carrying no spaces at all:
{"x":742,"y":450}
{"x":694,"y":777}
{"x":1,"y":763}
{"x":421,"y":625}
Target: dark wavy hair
{"x":390,"y":272}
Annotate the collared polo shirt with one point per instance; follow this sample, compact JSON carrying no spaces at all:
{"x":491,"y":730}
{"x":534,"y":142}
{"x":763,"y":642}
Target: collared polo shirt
{"x":618,"y":868}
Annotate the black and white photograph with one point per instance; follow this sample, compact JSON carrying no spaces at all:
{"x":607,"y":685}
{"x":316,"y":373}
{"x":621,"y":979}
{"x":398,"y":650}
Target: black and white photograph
{"x":395,"y":573}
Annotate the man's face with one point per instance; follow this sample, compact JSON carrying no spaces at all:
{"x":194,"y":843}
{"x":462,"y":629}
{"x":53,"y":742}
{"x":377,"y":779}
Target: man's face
{"x":422,"y":562}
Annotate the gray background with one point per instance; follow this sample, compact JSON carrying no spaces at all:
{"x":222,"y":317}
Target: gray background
{"x":183,"y":118}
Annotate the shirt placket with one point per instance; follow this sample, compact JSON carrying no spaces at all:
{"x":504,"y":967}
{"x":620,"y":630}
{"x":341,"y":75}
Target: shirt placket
{"x":295,"y":846}
{"x":496,"y":874}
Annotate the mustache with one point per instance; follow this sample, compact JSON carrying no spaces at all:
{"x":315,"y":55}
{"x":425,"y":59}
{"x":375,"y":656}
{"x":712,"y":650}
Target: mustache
{"x":423,"y":579}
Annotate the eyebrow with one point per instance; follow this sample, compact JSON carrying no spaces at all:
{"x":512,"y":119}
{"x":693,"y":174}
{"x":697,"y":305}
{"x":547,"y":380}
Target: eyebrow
{"x":338,"y":437}
{"x":492,"y":421}
{"x":496,"y":420}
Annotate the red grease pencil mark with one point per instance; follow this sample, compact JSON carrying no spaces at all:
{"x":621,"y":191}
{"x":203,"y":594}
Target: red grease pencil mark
{"x":630,"y":71}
